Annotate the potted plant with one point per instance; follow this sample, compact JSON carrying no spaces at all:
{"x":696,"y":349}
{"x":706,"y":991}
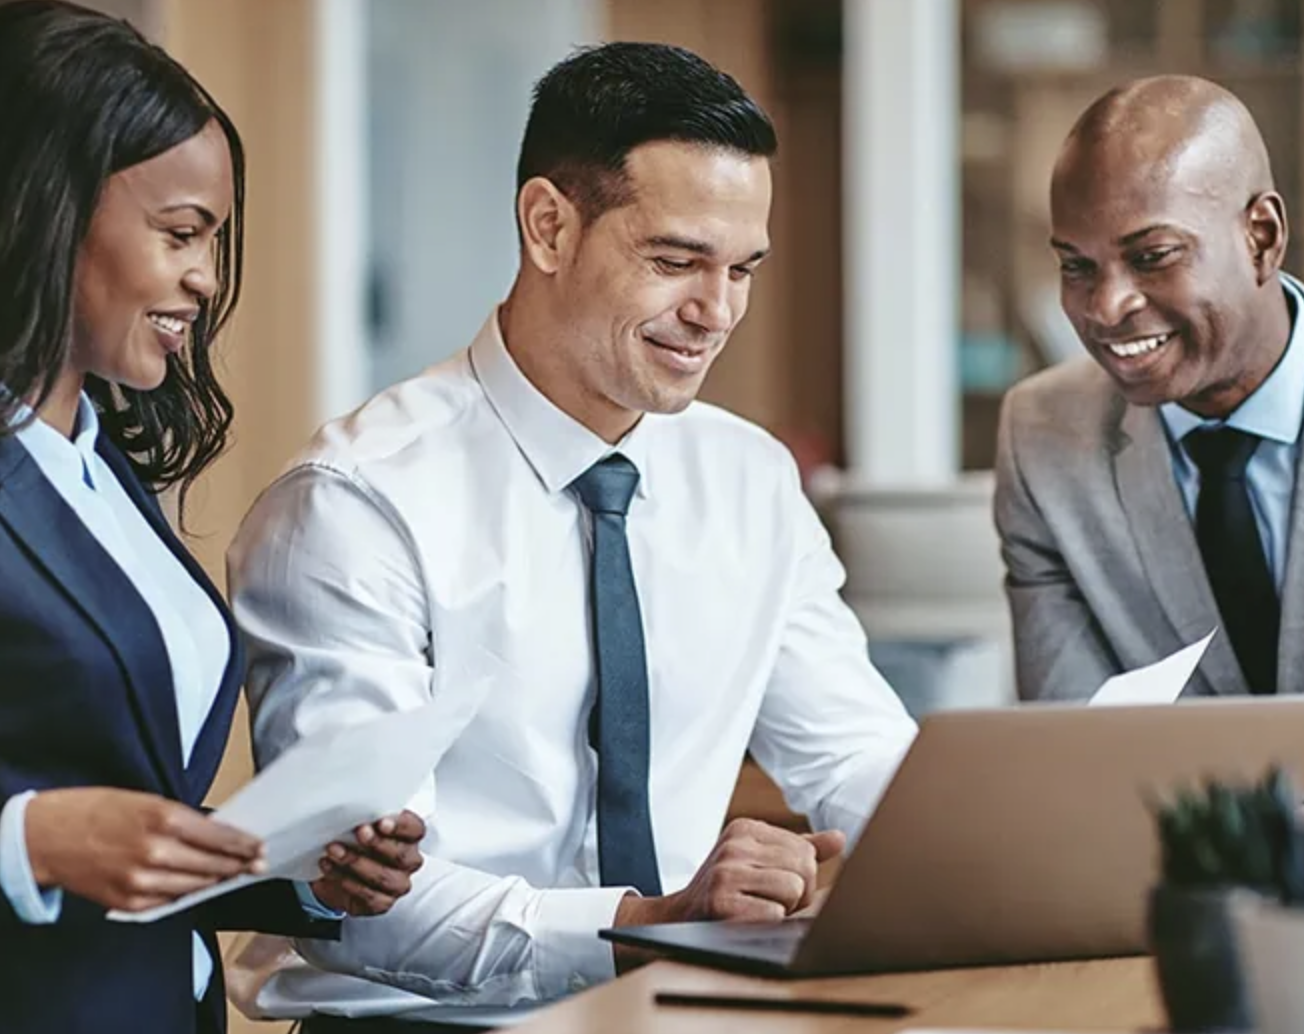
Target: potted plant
{"x":1270,"y":939}
{"x":1215,"y":841}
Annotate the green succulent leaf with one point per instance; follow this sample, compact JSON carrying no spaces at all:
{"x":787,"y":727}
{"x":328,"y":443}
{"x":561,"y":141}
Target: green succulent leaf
{"x":1224,"y":834}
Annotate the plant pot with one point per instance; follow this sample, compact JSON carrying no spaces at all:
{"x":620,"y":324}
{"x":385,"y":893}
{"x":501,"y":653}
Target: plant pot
{"x":1194,"y":946}
{"x":1270,"y":938}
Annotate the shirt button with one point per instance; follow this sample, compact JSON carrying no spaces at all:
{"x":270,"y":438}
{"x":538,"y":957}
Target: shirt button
{"x":577,"y":982}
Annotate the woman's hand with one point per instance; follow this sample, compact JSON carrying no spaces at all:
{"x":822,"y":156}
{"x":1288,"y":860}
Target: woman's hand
{"x":366,"y":879}
{"x":130,"y":850}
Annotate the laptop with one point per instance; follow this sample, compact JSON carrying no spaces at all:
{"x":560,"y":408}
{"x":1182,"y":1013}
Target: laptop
{"x":1007,"y":836}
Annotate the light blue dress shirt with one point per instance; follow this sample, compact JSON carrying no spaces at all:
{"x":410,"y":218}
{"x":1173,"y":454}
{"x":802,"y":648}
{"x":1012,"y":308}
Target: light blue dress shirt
{"x":1274,"y":412}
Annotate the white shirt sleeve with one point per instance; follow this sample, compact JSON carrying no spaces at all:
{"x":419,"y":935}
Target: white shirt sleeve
{"x":831,"y":731}
{"x":30,"y":903}
{"x":327,"y":587}
{"x":463,"y":937}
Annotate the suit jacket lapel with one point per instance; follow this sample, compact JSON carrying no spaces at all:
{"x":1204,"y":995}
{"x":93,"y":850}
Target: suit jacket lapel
{"x":62,"y":545}
{"x":1166,"y":543}
{"x":206,"y":756}
{"x":1290,"y":649}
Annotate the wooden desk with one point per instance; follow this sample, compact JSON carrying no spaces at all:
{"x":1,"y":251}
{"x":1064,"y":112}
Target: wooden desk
{"x":1116,"y":994}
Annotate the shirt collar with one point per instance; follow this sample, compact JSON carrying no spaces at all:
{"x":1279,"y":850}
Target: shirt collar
{"x":57,"y":456}
{"x":558,"y":447}
{"x":1276,"y":408}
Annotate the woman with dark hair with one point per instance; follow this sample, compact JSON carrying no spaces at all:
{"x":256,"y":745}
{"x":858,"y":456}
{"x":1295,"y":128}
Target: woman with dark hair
{"x":121,"y":193}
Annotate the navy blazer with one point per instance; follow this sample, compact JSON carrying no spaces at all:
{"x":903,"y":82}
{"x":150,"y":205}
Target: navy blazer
{"x":87,"y":699}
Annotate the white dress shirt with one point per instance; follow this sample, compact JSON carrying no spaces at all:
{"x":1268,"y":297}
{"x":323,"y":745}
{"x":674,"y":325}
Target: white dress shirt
{"x":189,"y":624}
{"x":426,"y":546}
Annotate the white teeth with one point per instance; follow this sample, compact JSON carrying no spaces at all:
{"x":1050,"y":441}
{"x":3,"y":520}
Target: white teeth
{"x":1128,"y":349}
{"x":169,"y":323}
{"x":686,"y":352}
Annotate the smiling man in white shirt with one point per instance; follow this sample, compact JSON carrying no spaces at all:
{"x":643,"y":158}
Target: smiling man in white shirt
{"x":614,"y":590}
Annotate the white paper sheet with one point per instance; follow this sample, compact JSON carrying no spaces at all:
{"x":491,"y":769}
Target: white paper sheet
{"x":1158,"y":683}
{"x":323,"y":787}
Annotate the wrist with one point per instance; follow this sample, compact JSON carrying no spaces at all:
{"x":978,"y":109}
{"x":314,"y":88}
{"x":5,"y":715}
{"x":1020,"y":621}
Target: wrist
{"x":639,"y":911}
{"x":326,"y":893}
{"x":635,"y":910}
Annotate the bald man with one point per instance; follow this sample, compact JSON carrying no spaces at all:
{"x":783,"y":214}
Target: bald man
{"x":1146,"y":494}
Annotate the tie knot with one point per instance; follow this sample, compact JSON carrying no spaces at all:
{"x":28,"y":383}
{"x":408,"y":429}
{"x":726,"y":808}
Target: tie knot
{"x":1221,"y":453}
{"x":608,"y":485}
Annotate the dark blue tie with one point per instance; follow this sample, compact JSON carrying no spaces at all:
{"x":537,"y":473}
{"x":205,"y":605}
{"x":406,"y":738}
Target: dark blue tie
{"x":627,"y":855}
{"x":1234,"y":560}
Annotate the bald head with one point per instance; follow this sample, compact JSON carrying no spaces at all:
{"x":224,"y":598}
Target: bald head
{"x":1170,"y":236}
{"x":1180,"y":129}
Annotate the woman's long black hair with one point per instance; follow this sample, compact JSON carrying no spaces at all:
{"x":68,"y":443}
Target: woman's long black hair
{"x":84,"y":96}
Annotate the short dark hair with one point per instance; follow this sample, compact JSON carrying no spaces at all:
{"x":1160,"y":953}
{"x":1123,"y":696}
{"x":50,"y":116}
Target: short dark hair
{"x":602,"y":102}
{"x":82,"y":97}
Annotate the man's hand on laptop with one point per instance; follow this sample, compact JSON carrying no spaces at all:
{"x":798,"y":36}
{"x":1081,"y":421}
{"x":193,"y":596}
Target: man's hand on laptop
{"x":366,"y":878}
{"x":756,"y":872}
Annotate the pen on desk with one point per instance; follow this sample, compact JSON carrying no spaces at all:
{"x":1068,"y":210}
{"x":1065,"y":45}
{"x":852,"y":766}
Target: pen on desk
{"x":889,"y":1010}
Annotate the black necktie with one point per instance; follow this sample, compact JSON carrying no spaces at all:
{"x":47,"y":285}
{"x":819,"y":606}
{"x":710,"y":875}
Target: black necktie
{"x":626,"y":851}
{"x":1233,"y":554}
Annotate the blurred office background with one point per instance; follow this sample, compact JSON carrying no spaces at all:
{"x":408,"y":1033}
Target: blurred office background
{"x":911,"y":281}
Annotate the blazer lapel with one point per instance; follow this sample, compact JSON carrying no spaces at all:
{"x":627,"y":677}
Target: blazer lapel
{"x":59,"y":542}
{"x":1290,"y":649}
{"x":1166,"y":543}
{"x":206,"y":756}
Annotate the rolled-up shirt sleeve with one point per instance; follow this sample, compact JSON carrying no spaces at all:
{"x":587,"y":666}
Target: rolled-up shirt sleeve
{"x":327,"y":588}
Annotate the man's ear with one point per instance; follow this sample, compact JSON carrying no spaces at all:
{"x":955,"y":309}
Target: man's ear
{"x":1265,"y":225}
{"x":549,"y":224}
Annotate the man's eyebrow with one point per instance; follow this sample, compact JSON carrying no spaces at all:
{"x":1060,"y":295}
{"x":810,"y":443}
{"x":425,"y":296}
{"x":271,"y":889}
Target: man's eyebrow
{"x":1125,"y":240}
{"x":1136,"y":235}
{"x":681,"y":244}
{"x":697,"y":247}
{"x":208,"y":217}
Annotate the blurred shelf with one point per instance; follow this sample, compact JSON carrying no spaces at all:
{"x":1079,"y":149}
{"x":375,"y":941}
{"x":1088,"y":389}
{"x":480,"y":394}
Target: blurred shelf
{"x":1272,"y":70}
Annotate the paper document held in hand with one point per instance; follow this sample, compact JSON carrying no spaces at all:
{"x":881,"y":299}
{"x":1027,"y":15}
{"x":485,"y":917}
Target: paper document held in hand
{"x":1158,"y":683}
{"x":322,"y":788}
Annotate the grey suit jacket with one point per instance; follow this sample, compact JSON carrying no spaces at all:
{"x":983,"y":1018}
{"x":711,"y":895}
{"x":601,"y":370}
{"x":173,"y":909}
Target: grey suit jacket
{"x":1103,"y":573}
